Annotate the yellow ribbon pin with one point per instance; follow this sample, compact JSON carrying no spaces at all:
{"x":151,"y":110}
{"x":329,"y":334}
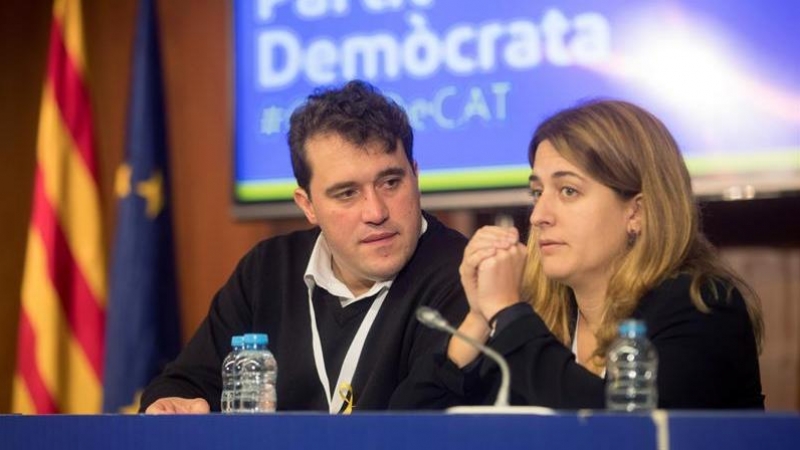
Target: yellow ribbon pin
{"x":348,"y":398}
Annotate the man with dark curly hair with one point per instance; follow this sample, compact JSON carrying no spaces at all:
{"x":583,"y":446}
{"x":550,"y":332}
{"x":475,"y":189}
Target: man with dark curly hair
{"x":338,"y":300}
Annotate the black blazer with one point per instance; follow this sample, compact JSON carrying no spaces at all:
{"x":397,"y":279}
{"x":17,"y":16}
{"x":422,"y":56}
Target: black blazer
{"x":706,"y":360}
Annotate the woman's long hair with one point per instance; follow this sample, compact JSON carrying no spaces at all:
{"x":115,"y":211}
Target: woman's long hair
{"x":629,"y":150}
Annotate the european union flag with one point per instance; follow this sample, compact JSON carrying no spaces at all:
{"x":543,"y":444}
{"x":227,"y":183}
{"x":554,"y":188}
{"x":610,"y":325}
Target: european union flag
{"x":142,"y":329}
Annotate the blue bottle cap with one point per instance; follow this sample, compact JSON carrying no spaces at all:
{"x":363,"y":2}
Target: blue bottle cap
{"x":262,"y":339}
{"x":633,"y":327}
{"x":237,"y":341}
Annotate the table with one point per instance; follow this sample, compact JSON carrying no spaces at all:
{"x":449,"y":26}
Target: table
{"x":418,"y":431}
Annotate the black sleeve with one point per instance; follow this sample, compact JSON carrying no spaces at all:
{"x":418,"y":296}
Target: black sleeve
{"x":196,"y":371}
{"x":543,"y":371}
{"x":427,"y":355}
{"x":506,"y":316}
{"x":436,"y":382}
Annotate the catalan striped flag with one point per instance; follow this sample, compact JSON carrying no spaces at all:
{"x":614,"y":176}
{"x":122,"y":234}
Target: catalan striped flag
{"x":62,"y":318}
{"x":143,"y":331}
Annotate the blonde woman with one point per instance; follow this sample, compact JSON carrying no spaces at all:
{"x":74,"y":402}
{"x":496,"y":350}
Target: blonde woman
{"x":615,"y":234}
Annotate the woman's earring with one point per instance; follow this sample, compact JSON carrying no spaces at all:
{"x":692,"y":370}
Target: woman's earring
{"x":632,"y":236}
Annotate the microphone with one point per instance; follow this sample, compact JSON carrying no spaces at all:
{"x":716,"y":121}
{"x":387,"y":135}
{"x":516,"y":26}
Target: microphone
{"x":431,"y":318}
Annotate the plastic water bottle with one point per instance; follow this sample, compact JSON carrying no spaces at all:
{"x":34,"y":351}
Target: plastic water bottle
{"x":631,"y":365}
{"x":259,"y":375}
{"x":230,"y":376}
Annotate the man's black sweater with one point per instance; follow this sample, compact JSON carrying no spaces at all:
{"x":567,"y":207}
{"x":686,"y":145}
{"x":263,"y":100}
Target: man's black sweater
{"x":267,"y":294}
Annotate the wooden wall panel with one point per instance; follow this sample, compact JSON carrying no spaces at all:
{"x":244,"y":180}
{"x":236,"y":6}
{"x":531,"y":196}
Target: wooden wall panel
{"x":195,"y":50}
{"x":774,"y":273}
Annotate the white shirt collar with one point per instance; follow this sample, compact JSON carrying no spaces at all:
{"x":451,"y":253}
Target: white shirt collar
{"x":319,"y":272}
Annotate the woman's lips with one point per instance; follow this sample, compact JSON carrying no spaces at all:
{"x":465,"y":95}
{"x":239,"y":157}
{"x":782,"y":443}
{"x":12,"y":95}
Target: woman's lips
{"x":548,"y":246}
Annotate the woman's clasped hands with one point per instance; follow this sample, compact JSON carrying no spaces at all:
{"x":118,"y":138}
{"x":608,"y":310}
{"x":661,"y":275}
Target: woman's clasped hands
{"x":491,"y":270}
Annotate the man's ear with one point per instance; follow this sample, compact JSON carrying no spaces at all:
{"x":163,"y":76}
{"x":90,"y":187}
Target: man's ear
{"x":303,"y":201}
{"x":636,"y":214}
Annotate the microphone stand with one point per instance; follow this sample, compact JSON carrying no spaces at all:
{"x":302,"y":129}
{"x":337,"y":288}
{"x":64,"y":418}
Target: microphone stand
{"x":433,"y":319}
